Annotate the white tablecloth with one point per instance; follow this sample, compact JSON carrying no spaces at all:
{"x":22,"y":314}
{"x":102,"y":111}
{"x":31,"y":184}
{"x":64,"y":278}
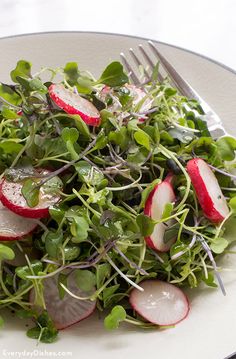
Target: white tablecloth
{"x":204,"y":26}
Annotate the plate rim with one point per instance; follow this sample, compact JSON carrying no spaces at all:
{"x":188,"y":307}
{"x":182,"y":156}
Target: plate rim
{"x":216,"y":62}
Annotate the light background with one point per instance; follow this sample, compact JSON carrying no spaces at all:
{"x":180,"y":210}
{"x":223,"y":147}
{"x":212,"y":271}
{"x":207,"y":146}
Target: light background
{"x":204,"y":26}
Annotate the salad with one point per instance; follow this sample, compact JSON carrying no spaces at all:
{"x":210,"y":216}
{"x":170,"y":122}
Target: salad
{"x":113,"y":197}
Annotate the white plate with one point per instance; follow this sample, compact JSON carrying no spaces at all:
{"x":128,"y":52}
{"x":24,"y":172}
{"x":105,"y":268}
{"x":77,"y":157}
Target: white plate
{"x":209,"y":331}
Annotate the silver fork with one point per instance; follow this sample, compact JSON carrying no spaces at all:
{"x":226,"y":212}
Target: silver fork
{"x":213,"y":121}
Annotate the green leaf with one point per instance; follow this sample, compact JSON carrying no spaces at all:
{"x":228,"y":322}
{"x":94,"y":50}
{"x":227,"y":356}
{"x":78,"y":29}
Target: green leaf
{"x":85,"y":279}
{"x":71,"y":252}
{"x":23,"y":69}
{"x":142,"y":139}
{"x":30,"y":192}
{"x":8,"y":113}
{"x":6,"y":252}
{"x":102,"y":273}
{"x":37,"y":85}
{"x":146,"y":224}
{"x":113,"y":75}
{"x":88,"y":174}
{"x":79,"y":229}
{"x":117,"y":315}
{"x":53,"y":241}
{"x":81,"y":126}
{"x":120,"y":137}
{"x":9,"y":95}
{"x":218,"y":245}
{"x":72,"y":73}
{"x":167,"y":210}
{"x":25,"y":271}
{"x":70,"y":134}
{"x":33,"y":333}
{"x":232,"y":204}
{"x":210,"y":280}
{"x":10,"y":147}
{"x":226,"y":147}
{"x":108,"y":291}
{"x":230,"y":229}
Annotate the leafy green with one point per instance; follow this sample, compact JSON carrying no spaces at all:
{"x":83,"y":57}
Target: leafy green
{"x":85,"y":280}
{"x":53,"y":241}
{"x":142,"y":138}
{"x":226,"y":147}
{"x":30,"y":191}
{"x":23,"y":69}
{"x":102,"y":178}
{"x":146,"y":224}
{"x":117,"y":315}
{"x":113,"y":75}
{"x":6,"y":252}
{"x":6,"y":93}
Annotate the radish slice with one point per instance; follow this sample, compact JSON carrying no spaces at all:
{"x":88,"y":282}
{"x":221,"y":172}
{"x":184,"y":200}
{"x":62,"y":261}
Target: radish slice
{"x":74,"y":104}
{"x":14,"y":227}
{"x":162,"y":194}
{"x":12,"y":198}
{"x":208,"y":191}
{"x":160,"y":303}
{"x":67,"y":311}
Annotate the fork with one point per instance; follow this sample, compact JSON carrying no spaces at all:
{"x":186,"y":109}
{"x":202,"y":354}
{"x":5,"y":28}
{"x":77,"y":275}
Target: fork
{"x":213,"y":121}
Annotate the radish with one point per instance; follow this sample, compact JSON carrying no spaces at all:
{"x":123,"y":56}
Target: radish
{"x":68,"y":310}
{"x":14,"y":227}
{"x":12,"y":198}
{"x":162,"y":194}
{"x":208,"y":191}
{"x":74,"y":104}
{"x":160,"y":303}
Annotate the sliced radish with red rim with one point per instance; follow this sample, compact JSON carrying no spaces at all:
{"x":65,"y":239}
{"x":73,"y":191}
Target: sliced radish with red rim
{"x":68,"y":310}
{"x":162,"y":194}
{"x":160,"y":303}
{"x":208,"y":191}
{"x":12,"y":226}
{"x":12,"y":198}
{"x":74,"y":104}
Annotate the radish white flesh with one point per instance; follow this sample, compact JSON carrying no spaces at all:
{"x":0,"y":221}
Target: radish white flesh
{"x":74,"y":104}
{"x":160,"y":303}
{"x":161,"y":195}
{"x":14,"y":227}
{"x":12,"y":198}
{"x":68,"y":310}
{"x":208,"y":191}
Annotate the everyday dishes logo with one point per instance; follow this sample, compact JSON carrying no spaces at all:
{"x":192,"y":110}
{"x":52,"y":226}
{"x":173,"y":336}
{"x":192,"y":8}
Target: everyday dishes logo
{"x":35,"y":353}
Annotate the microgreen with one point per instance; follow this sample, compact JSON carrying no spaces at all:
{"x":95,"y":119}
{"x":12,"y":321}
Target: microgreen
{"x":102,"y":177}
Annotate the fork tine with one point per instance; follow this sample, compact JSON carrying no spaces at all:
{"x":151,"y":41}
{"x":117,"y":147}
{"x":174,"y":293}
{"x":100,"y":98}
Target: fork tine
{"x":150,"y":62}
{"x":178,"y":80}
{"x":138,"y":63}
{"x":129,"y":69}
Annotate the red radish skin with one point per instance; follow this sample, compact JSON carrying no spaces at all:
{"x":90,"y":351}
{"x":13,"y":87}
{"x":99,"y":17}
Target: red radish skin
{"x":12,"y":198}
{"x":208,"y":191}
{"x":160,"y":303}
{"x":14,"y":227}
{"x":67,"y":311}
{"x":74,"y":104}
{"x":162,"y":194}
